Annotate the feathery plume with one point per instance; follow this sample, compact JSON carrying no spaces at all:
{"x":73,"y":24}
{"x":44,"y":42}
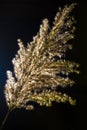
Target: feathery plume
{"x":41,"y":67}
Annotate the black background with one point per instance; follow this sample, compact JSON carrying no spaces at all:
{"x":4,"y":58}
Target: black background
{"x":21,"y":19}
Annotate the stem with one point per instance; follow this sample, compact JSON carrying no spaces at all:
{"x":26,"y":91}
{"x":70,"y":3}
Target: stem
{"x":3,"y":122}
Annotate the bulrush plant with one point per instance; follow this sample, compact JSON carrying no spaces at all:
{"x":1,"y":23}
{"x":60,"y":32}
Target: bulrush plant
{"x":41,"y":67}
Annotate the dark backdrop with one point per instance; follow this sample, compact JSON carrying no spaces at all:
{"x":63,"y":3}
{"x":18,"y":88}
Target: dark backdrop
{"x":21,"y":19}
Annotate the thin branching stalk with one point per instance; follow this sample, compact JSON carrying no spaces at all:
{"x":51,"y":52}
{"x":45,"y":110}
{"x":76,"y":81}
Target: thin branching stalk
{"x":5,"y":118}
